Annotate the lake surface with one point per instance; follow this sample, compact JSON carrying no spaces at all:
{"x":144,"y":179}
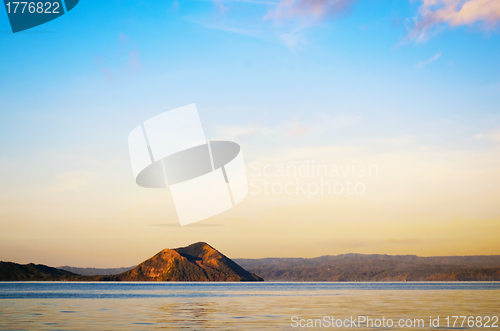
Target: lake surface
{"x":244,"y":306}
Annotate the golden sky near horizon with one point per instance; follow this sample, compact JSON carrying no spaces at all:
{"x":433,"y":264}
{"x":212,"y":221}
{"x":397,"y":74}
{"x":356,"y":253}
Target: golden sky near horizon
{"x":420,"y":200}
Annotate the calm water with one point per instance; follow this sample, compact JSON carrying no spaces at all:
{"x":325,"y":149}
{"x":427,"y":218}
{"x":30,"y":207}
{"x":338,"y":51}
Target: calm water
{"x":236,"y":306}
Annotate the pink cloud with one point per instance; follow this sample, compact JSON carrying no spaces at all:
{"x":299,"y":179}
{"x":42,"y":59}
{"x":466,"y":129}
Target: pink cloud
{"x":220,"y":5}
{"x":454,"y":13}
{"x":105,"y":70}
{"x":315,"y":10}
{"x":123,"y":38}
{"x":121,"y":61}
{"x":134,"y":60}
{"x":298,"y":131}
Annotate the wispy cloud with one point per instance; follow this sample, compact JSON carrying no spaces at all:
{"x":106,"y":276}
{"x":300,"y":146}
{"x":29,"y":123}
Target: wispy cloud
{"x":292,"y":18}
{"x":299,"y":130}
{"x":290,"y":38}
{"x":422,"y":64}
{"x":71,"y":180}
{"x":257,"y":2}
{"x":229,"y":27}
{"x":311,"y":10}
{"x":127,"y":44}
{"x":221,"y":7}
{"x":492,"y":136}
{"x":112,"y":64}
{"x":454,"y":13}
{"x":234,"y":132}
{"x":104,"y":69}
{"x":403,"y":140}
{"x":293,"y":39}
{"x":292,"y":128}
{"x":134,"y":60}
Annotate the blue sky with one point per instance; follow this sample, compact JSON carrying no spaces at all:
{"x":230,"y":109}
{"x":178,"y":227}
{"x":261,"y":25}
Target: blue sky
{"x":357,"y":63}
{"x":368,"y":76}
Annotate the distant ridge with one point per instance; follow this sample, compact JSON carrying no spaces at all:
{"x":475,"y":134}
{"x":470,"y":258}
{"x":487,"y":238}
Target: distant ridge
{"x":95,"y":271}
{"x":201,"y":262}
{"x":376,"y":267}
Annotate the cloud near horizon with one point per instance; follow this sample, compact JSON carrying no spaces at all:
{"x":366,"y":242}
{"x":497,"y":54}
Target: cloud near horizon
{"x":454,"y":13}
{"x":70,"y":180}
{"x":491,"y":136}
{"x":314,"y":10}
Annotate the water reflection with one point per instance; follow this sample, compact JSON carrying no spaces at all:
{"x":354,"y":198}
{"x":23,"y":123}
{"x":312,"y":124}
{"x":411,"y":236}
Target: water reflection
{"x":111,"y":306}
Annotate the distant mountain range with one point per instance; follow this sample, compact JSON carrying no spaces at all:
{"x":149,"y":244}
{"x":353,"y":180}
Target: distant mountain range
{"x":95,"y":271}
{"x":360,"y":267}
{"x":197,"y":262}
{"x":201,"y":262}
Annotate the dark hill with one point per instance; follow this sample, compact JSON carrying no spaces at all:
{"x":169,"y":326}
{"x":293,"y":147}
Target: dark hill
{"x":10,"y":271}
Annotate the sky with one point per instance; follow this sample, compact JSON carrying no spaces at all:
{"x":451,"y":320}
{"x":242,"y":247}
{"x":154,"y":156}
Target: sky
{"x":409,"y":89}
